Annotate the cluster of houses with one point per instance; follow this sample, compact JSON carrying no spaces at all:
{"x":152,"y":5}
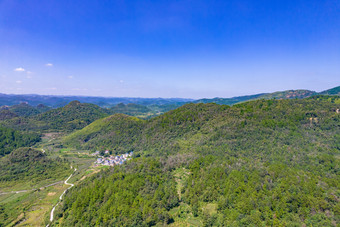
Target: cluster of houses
{"x":112,"y":160}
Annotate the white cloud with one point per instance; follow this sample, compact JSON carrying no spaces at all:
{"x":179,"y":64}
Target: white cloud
{"x":19,"y":69}
{"x":51,"y":88}
{"x":121,"y":81}
{"x":49,"y":64}
{"x":29,"y":72}
{"x":70,"y":77}
{"x":79,"y":89}
{"x":29,"y":77}
{"x":18,"y":81}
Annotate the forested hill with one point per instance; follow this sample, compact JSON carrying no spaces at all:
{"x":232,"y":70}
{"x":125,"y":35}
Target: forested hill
{"x":30,"y":164}
{"x":22,"y":109}
{"x":75,"y":115}
{"x":6,"y":114}
{"x":199,"y":121}
{"x":25,"y":110}
{"x":11,"y":139}
{"x":289,"y":94}
{"x":260,"y":163}
{"x":333,"y":91}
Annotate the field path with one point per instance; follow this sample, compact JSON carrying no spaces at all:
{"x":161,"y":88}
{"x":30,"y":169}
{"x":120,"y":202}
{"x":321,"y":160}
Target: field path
{"x":61,"y":197}
{"x":28,"y":190}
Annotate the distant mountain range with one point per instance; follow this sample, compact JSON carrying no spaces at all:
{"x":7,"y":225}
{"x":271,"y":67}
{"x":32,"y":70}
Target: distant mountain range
{"x":58,"y":101}
{"x":289,"y":94}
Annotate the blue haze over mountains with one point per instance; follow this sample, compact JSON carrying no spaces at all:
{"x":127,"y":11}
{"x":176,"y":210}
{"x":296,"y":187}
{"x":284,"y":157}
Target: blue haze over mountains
{"x":59,"y":101}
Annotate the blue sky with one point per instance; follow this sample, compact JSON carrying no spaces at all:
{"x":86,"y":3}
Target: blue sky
{"x":190,"y":49}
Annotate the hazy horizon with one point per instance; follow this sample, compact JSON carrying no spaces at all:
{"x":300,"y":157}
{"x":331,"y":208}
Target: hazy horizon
{"x":184,"y":49}
{"x":61,"y":95}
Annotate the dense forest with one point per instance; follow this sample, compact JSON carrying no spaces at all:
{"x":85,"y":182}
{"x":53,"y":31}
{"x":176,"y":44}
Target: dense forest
{"x":30,"y":164}
{"x":140,"y":194}
{"x":260,"y":163}
{"x":73,"y":116}
{"x":11,"y":139}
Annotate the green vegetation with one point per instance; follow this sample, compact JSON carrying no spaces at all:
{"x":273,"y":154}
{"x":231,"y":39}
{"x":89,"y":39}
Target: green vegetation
{"x":142,"y":111}
{"x":265,"y":162}
{"x":102,"y":134}
{"x":6,"y":114}
{"x":259,"y":163}
{"x":29,"y":208}
{"x":139,"y":194}
{"x":332,"y":91}
{"x":75,"y":115}
{"x":130,"y":109}
{"x":34,"y":175}
{"x":229,"y":101}
{"x":11,"y":139}
{"x":290,"y":94}
{"x":26,"y":110}
{"x":27,"y":164}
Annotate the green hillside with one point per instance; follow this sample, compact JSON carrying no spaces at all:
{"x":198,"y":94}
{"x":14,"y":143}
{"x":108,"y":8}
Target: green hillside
{"x":290,"y":94}
{"x":117,"y":132}
{"x":333,"y":91}
{"x":259,"y":163}
{"x":75,"y":115}
{"x":229,"y":101}
{"x":11,"y":139}
{"x":26,"y":110}
{"x":30,"y":164}
{"x":6,"y":114}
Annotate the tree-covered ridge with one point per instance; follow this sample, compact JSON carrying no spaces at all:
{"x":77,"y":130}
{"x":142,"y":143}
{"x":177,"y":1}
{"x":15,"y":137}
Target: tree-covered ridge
{"x":75,"y":115}
{"x":118,"y":132}
{"x":290,"y":94}
{"x":204,"y":120}
{"x":11,"y":139}
{"x":230,"y":101}
{"x":140,"y":194}
{"x":129,"y":109}
{"x":123,"y":133}
{"x":262,"y":163}
{"x":25,"y":110}
{"x":332,"y":91}
{"x":30,"y":164}
{"x":6,"y":115}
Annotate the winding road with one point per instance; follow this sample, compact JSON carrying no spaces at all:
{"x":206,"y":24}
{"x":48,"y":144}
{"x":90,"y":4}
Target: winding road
{"x":61,"y":197}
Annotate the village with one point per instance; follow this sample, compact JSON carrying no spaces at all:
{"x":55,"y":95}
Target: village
{"x":111,"y":160}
